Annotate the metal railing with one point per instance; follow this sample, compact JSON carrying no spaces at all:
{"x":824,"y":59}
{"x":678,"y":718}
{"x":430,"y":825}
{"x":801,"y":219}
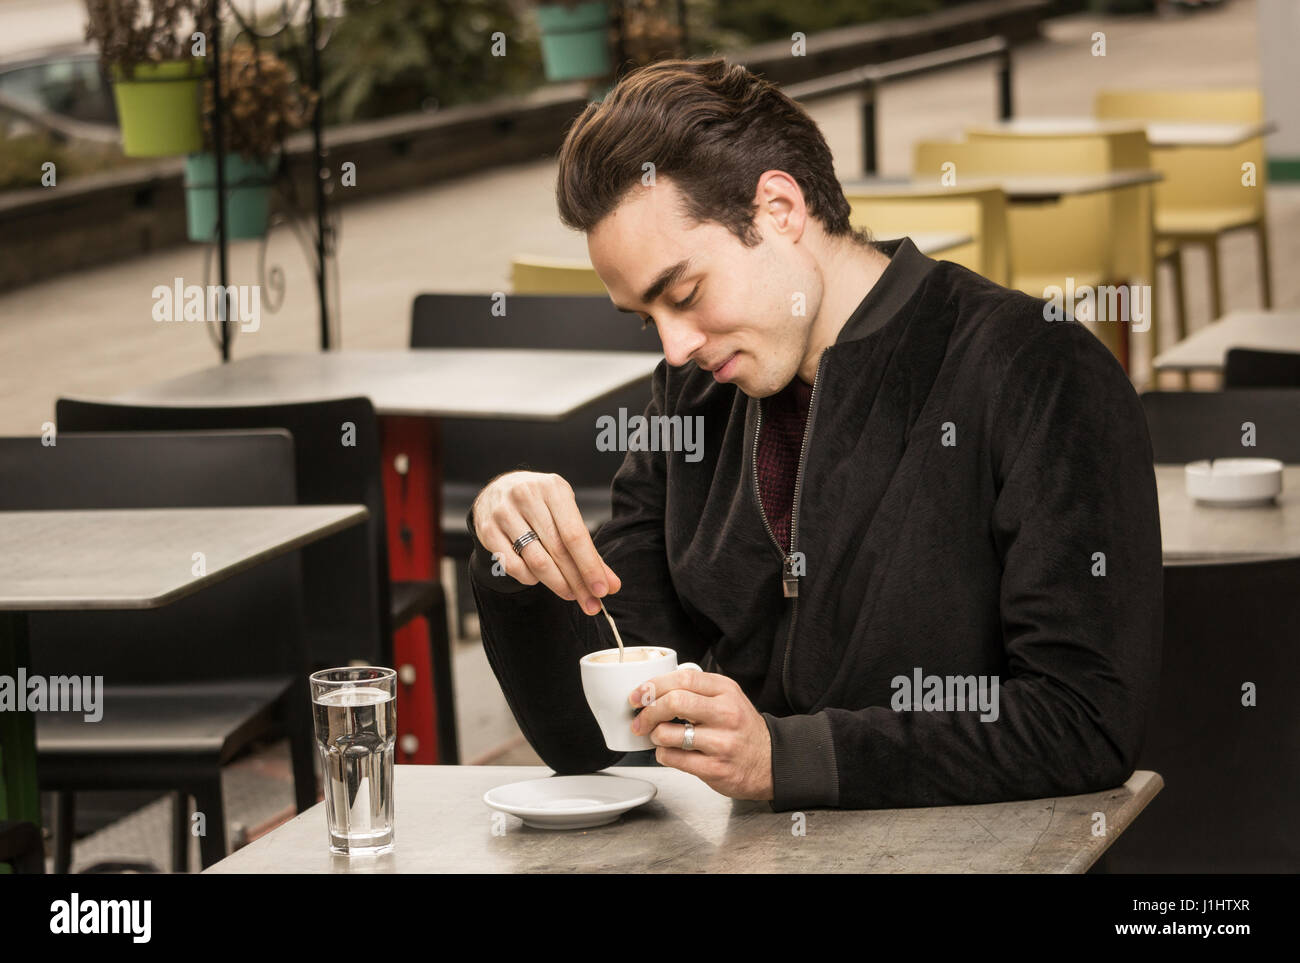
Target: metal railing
{"x":867,"y":81}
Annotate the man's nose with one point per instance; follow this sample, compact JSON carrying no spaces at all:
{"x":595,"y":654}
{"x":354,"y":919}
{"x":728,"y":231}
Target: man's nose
{"x":680,"y":340}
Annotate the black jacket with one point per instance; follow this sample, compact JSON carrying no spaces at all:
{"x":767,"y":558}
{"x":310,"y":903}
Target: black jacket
{"x":977,"y":498}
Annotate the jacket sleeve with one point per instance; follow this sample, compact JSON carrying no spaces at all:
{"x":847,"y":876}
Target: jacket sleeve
{"x":1075,"y":491}
{"x":534,"y":639}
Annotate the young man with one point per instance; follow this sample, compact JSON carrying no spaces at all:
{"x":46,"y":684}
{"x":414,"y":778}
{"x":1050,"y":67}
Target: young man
{"x":919,"y":559}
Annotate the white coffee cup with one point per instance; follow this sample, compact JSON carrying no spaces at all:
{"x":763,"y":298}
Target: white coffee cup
{"x":608,"y":684}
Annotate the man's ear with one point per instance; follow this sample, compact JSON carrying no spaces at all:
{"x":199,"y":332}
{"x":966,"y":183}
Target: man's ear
{"x":779,"y":198}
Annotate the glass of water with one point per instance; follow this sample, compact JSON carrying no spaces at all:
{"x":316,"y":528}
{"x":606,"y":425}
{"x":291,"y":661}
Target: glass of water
{"x":355,"y":715}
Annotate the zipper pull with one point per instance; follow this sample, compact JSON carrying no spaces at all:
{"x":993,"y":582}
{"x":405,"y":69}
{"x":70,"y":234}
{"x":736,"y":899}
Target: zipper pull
{"x":789,"y":578}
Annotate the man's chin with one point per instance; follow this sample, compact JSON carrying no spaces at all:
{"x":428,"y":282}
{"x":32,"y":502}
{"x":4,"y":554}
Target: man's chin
{"x":760,"y":391}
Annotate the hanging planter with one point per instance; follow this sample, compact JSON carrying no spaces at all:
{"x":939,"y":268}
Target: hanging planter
{"x":248,"y":196}
{"x":261,"y":105}
{"x":158,"y":108}
{"x":145,"y":46}
{"x":575,"y":40}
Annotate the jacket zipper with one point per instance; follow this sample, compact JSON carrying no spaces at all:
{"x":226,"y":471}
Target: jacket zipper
{"x":789,"y":579}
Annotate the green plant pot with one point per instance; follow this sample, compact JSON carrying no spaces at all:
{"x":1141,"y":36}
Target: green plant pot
{"x":575,"y":42}
{"x":158,"y":108}
{"x":248,"y":197}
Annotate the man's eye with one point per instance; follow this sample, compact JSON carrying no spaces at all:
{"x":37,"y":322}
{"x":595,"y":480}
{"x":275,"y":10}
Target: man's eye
{"x":680,"y":305}
{"x":684,"y":304}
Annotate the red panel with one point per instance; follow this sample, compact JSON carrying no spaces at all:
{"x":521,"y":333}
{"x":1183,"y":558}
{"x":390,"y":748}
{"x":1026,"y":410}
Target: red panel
{"x":416,"y":712}
{"x":413,"y":503}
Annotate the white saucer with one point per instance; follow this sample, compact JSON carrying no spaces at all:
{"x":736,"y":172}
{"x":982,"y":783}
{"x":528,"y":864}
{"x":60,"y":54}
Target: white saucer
{"x":570,"y":802}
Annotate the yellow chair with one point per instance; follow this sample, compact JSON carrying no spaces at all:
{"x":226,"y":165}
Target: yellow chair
{"x":1093,"y":239}
{"x":1043,"y":246}
{"x":1132,"y":152}
{"x":1202,"y":195}
{"x":1047,"y":242}
{"x":1129,"y":232}
{"x":979,"y":212}
{"x":553,"y":275}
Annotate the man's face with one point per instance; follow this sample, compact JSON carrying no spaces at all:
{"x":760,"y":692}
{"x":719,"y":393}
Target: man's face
{"x":753,"y":306}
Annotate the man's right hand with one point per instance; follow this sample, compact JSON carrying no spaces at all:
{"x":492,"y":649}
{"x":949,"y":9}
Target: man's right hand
{"x":563,"y":556}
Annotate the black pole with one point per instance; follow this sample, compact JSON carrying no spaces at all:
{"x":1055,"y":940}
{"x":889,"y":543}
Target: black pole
{"x":869,"y":130}
{"x":218,"y":109}
{"x":319,"y":173}
{"x":1005,"y":110}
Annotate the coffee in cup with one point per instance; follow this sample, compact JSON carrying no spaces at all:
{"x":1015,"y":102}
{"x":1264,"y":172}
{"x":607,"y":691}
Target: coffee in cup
{"x":630,"y":654}
{"x":608,"y":684}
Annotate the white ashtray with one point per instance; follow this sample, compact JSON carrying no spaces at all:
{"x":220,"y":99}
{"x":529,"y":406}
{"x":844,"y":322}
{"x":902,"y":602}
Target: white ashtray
{"x":1236,"y":482}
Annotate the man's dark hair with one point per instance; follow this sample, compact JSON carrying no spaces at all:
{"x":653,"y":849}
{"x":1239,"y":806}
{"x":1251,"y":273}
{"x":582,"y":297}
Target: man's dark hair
{"x":710,"y":126}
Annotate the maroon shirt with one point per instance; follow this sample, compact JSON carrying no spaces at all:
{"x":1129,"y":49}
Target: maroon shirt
{"x":780,"y":438}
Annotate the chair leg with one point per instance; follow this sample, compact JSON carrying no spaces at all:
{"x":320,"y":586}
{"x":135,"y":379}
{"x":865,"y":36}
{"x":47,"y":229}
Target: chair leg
{"x":1180,"y":296}
{"x":293,"y":713}
{"x":1265,"y":270}
{"x":444,"y":693}
{"x":1216,"y":282}
{"x":180,"y":832}
{"x":302,"y":745}
{"x":207,"y":800}
{"x":1180,"y":307}
{"x":1125,"y":346}
{"x":65,"y":829}
{"x":463,"y":600}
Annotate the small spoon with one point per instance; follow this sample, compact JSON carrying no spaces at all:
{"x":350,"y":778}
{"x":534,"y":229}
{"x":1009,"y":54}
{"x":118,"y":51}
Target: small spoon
{"x":617,"y":638}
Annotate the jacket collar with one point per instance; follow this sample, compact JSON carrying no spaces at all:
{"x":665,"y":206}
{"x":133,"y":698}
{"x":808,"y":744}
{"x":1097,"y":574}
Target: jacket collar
{"x":907,"y":270}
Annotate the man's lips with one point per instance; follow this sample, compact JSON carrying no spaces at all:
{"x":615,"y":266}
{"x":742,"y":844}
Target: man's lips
{"x":721,"y":363}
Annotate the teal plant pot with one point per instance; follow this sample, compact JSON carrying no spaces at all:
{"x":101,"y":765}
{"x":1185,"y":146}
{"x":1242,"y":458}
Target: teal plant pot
{"x":248,"y":197}
{"x":575,"y":41}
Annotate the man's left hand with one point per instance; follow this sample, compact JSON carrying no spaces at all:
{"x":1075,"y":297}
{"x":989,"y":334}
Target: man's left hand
{"x":733,"y":749}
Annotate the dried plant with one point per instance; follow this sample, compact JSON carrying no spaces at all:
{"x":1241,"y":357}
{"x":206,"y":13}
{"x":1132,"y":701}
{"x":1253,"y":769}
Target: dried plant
{"x":264,"y":103}
{"x":130,"y":32}
{"x":651,"y":31}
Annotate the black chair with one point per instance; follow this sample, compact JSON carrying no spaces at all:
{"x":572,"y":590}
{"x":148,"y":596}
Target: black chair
{"x":352,"y":607}
{"x":1191,"y":425}
{"x":187,"y":686}
{"x":21,"y":847}
{"x":475,"y":450}
{"x":1249,"y":368}
{"x":1232,"y":773}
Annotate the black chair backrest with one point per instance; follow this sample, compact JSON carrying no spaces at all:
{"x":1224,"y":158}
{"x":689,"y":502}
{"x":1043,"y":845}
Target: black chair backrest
{"x":1249,"y":368}
{"x":569,"y":322}
{"x":1191,"y":425}
{"x":160,"y":469}
{"x":345,"y":577}
{"x":248,"y":625}
{"x":474,"y":450}
{"x":1230,"y":772}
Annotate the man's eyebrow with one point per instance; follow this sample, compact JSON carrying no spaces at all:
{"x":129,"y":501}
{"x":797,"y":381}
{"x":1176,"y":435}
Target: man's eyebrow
{"x":666,"y":279}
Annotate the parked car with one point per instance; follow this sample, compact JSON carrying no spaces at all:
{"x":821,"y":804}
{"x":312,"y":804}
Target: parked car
{"x":64,"y":80}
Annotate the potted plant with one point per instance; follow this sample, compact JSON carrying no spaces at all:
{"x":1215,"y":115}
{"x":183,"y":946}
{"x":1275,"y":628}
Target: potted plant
{"x":144,"y":45}
{"x":575,"y":38}
{"x":263,"y":105}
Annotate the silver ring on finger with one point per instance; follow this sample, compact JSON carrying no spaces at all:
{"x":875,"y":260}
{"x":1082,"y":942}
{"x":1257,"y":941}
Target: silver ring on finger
{"x":688,"y":741}
{"x":522,"y":540}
